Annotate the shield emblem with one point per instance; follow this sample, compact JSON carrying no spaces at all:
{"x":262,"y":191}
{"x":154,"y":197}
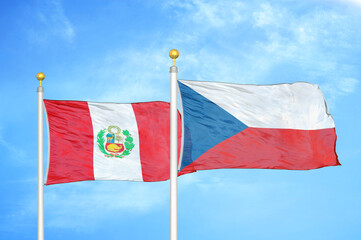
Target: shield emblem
{"x":114,"y":147}
{"x":115,"y":143}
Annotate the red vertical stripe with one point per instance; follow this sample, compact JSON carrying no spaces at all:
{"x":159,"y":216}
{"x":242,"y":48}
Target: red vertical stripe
{"x":153,"y":120}
{"x":71,"y":142}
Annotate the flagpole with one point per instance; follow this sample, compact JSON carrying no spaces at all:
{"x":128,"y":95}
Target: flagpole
{"x":173,"y":148}
{"x":40,"y":76}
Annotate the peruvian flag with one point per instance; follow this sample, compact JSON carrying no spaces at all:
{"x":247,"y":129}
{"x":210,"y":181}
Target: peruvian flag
{"x":108,"y":141}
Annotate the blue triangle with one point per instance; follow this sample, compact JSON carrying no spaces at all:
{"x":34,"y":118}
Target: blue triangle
{"x":205,"y":124}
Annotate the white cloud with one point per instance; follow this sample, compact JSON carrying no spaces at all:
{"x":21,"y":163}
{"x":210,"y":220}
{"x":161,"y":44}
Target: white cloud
{"x":84,"y":205}
{"x":228,"y":41}
{"x":267,"y":16}
{"x":13,"y":150}
{"x":338,"y":87}
{"x":52,"y":22}
{"x":210,"y":13}
{"x":224,"y":185}
{"x":352,"y":2}
{"x":133,"y":75}
{"x":313,"y":44}
{"x":348,"y":85}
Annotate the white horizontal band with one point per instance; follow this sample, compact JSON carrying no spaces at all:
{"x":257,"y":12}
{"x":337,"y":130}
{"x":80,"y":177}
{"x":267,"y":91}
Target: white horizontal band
{"x":289,"y":106}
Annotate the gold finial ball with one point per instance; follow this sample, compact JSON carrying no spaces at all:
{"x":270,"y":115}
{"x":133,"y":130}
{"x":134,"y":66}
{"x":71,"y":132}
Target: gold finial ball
{"x":40,"y":76}
{"x":173,"y":53}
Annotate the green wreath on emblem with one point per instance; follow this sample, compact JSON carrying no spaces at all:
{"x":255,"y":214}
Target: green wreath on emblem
{"x":128,"y":143}
{"x":110,"y":128}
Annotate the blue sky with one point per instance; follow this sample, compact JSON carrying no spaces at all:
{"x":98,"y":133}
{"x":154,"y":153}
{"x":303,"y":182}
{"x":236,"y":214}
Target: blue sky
{"x":118,"y":51}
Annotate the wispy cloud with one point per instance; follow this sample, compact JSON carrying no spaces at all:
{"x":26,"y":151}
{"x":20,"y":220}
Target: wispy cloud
{"x":270,"y":43}
{"x":348,"y":85}
{"x":267,"y":16}
{"x":99,"y":201}
{"x":315,"y":44}
{"x":211,"y":14}
{"x":212,"y":187}
{"x":356,"y":3}
{"x":338,"y":88}
{"x":83,"y":206}
{"x":257,"y":43}
{"x":13,"y":151}
{"x":311,"y":45}
{"x":52,"y":21}
{"x":131,"y":75}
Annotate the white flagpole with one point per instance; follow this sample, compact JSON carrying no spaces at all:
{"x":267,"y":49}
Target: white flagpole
{"x":40,"y":76}
{"x":173,"y":148}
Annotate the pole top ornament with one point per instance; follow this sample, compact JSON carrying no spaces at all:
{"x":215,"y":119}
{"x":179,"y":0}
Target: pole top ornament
{"x":173,"y":54}
{"x":40,"y":76}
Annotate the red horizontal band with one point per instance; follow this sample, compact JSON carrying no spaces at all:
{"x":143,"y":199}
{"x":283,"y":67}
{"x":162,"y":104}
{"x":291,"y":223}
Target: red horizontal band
{"x":271,"y":149}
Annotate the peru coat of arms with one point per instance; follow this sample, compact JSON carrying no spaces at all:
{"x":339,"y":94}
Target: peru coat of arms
{"x":114,"y":142}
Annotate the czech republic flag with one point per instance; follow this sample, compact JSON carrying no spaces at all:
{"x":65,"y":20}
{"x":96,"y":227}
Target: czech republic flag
{"x":282,"y":126}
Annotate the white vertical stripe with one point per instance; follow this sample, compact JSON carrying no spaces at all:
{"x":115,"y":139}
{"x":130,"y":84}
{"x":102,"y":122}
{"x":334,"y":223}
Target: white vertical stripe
{"x":294,"y":106}
{"x":129,"y":167}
